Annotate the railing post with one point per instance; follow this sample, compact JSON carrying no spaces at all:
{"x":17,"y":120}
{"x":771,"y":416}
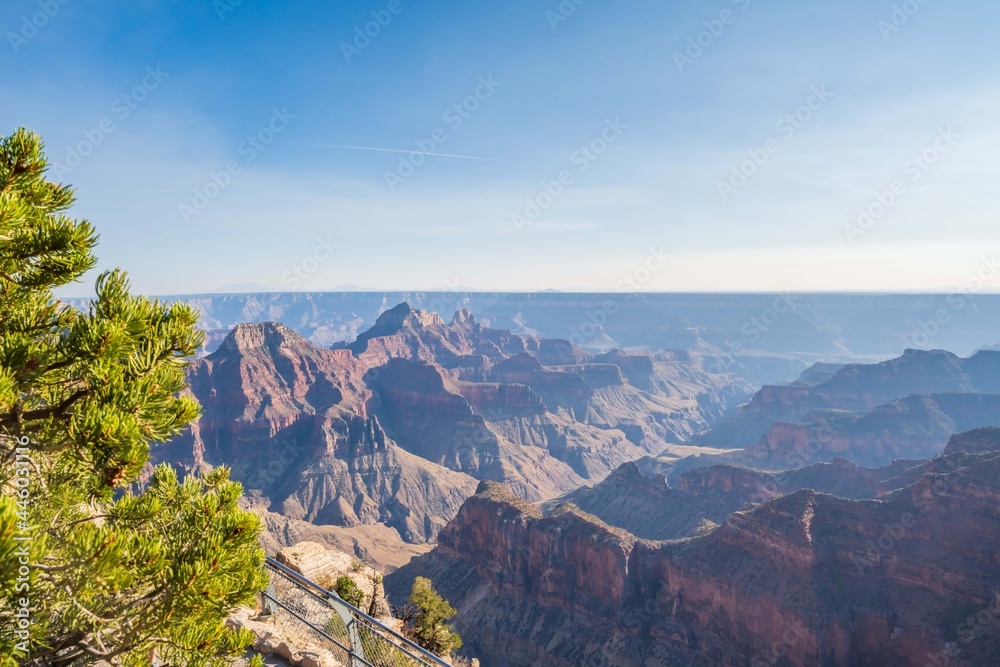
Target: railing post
{"x":267,"y":597}
{"x":357,"y":648}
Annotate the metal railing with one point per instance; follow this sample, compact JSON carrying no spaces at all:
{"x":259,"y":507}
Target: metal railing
{"x":352,"y":636}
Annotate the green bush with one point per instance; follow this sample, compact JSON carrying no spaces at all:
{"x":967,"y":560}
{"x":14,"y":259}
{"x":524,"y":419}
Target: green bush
{"x":349,"y":591}
{"x":431,"y":611}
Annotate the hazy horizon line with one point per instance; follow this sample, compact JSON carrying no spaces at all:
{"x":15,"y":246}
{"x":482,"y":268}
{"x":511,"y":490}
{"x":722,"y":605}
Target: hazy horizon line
{"x":568,"y":292}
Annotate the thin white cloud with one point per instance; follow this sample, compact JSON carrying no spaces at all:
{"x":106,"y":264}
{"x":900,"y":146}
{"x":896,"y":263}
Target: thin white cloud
{"x":424,"y":153}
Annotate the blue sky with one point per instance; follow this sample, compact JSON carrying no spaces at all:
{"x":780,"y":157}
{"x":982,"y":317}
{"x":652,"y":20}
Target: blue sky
{"x":691,"y":156}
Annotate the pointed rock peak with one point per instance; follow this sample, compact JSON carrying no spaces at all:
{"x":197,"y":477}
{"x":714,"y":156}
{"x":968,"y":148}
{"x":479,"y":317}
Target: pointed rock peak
{"x":798,"y":504}
{"x":272,"y":335}
{"x":464,"y":316}
{"x":628,"y":471}
{"x":394,"y":317}
{"x":400,"y":310}
{"x":631,"y":475}
{"x":521,"y":362}
{"x":404,"y":315}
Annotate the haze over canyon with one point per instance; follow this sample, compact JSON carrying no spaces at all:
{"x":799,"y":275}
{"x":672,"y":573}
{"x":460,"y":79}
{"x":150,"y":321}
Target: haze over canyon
{"x":799,"y":494}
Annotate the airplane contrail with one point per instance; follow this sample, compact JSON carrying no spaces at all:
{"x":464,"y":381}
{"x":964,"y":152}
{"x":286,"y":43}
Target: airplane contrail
{"x":396,"y":150}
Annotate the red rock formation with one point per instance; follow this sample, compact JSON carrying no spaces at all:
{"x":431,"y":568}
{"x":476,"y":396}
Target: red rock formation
{"x":314,"y":432}
{"x":808,"y":579}
{"x":858,"y":388}
{"x":567,"y":559}
{"x":672,"y":397}
{"x":558,"y":388}
{"x":913,"y":427}
{"x":500,"y":432}
{"x":502,"y":399}
{"x":291,"y":420}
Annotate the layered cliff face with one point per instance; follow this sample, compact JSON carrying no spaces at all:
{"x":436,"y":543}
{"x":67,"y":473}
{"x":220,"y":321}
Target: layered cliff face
{"x":910,"y":578}
{"x":291,"y":422}
{"x":392,"y":429}
{"x":407,"y":333}
{"x":500,"y":432}
{"x":644,"y":504}
{"x":840,"y":478}
{"x":362,"y":478}
{"x":263,"y":383}
{"x":976,"y":440}
{"x":913,"y":427}
{"x":654,"y":400}
{"x":857,"y":388}
{"x":542,"y":416}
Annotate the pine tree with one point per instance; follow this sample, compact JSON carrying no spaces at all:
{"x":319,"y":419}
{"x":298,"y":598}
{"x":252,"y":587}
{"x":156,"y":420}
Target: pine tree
{"x":431,"y":611}
{"x":105,"y":572}
{"x":349,"y":591}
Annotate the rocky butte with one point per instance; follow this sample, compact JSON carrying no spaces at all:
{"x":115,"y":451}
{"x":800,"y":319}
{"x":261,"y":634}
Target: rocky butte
{"x":908,"y":578}
{"x":372,"y":446}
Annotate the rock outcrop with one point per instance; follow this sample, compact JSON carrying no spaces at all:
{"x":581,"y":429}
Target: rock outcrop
{"x":291,"y":421}
{"x":645,"y":505}
{"x":914,"y":427}
{"x":805,"y":578}
{"x":394,"y":429}
{"x":325,"y":566}
{"x":316,"y":562}
{"x":281,"y":644}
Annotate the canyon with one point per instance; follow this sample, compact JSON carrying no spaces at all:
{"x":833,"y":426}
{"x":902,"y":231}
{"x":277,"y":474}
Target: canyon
{"x":394,"y":430}
{"x":586,"y":506}
{"x":806,"y":578}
